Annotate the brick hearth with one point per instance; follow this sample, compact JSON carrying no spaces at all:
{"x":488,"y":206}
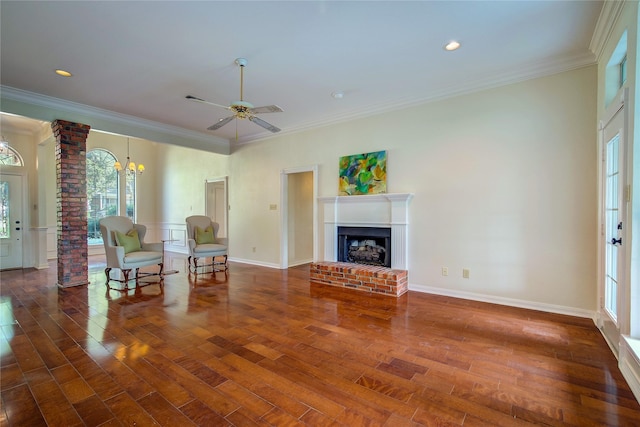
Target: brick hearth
{"x":367,"y":278}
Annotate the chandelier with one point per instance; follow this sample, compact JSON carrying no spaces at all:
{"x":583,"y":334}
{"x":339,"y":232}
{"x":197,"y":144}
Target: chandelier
{"x":130,"y":168}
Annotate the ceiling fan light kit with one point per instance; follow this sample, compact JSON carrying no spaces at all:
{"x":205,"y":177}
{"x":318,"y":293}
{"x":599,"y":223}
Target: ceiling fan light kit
{"x":242,"y":109}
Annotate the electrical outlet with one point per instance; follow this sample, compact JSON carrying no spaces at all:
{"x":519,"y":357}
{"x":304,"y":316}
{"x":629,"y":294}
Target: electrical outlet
{"x":465,"y":273}
{"x":445,"y":271}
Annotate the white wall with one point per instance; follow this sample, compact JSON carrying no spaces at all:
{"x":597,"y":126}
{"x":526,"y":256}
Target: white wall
{"x":504,"y":183}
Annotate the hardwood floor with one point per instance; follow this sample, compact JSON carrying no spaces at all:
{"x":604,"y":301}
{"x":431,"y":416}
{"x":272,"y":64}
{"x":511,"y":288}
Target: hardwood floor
{"x":264,"y":347}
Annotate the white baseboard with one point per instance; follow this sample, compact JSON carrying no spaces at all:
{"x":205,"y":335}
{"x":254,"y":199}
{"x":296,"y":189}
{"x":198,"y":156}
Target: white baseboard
{"x":551,"y":308}
{"x":301,"y":262}
{"x":254,"y":262}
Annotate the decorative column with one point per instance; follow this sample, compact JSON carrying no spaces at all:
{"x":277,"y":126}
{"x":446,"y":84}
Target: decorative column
{"x":71,"y":183}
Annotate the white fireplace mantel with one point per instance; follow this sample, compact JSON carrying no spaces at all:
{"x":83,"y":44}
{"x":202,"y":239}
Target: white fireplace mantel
{"x":375,"y":210}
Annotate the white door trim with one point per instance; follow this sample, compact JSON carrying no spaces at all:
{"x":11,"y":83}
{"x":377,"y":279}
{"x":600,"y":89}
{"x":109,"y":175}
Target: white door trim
{"x":612,"y":330}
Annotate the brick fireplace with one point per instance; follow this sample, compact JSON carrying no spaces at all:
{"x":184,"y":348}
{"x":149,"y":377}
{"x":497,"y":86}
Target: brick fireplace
{"x":374,"y":212}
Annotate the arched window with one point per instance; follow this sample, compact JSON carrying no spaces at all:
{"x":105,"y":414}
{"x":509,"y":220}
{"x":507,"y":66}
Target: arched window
{"x":9,"y":156}
{"x":102,"y":191}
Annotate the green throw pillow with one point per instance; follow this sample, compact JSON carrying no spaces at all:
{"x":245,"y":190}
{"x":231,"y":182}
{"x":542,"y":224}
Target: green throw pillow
{"x":204,"y":236}
{"x":130,"y":241}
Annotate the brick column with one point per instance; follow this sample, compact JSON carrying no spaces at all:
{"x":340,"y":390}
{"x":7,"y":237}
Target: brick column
{"x":71,"y":183}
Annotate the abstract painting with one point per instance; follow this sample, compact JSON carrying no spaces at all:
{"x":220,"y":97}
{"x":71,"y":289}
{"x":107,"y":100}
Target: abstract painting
{"x":363,"y":174}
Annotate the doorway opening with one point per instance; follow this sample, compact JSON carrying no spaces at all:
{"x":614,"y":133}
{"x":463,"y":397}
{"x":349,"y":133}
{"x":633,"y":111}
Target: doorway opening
{"x":299,"y":188}
{"x":216,"y":205}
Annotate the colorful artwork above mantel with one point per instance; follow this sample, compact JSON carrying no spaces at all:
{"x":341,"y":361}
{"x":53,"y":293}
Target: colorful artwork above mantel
{"x":363,"y":174}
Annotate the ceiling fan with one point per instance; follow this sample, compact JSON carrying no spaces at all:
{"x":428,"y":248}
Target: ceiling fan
{"x":242,"y":109}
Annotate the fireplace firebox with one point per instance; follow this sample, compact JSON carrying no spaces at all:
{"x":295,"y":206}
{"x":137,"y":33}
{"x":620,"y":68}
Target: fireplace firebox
{"x":365,"y":245}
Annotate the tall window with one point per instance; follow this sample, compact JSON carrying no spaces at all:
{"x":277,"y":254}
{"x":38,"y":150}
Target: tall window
{"x":130,"y":195}
{"x":612,"y":227}
{"x":615,"y":74}
{"x":102,"y":191}
{"x":5,"y":228}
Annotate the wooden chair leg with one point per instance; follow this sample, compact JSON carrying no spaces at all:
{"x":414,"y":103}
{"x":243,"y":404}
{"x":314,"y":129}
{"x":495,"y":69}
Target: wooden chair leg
{"x":106,"y":273}
{"x":220,"y":264}
{"x":192,"y":264}
{"x":125,"y":273}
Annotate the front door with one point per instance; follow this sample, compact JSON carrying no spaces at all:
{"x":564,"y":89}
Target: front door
{"x":11,"y":224}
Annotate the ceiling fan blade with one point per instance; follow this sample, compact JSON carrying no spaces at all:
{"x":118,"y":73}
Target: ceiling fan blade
{"x":264,"y":124}
{"x":194,"y":98}
{"x":221,"y":123}
{"x":266,"y":109}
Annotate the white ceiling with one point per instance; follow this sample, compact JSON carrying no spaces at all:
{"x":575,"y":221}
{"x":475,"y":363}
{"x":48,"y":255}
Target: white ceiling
{"x":142,"y":58}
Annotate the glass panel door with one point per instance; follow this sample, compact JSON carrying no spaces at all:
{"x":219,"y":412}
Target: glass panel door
{"x":613,"y":222}
{"x":10,"y":221}
{"x":612,"y":226}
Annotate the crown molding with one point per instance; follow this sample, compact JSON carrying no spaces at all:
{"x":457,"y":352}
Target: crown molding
{"x":528,"y":71}
{"x":611,"y":11}
{"x":51,"y":108}
{"x":204,"y":141}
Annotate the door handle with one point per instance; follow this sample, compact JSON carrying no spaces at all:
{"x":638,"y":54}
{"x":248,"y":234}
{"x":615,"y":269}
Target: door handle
{"x":615,"y":241}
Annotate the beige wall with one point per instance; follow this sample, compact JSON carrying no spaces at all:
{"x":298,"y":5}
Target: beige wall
{"x":504,"y":183}
{"x":181,"y":182}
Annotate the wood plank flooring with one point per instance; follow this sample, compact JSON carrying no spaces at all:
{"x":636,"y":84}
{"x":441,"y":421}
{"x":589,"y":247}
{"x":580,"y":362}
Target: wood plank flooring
{"x":264,"y":347}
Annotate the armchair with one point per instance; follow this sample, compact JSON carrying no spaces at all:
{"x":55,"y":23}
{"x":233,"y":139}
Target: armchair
{"x":125,"y":249}
{"x":204,"y":242}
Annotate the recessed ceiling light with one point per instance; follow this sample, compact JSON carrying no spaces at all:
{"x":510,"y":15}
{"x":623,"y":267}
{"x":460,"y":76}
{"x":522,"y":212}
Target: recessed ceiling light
{"x":63,"y":73}
{"x":452,"y":45}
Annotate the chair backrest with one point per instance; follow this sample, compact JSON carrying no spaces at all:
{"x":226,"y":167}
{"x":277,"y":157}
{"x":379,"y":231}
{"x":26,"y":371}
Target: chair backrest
{"x":201,"y":221}
{"x":123,"y":224}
